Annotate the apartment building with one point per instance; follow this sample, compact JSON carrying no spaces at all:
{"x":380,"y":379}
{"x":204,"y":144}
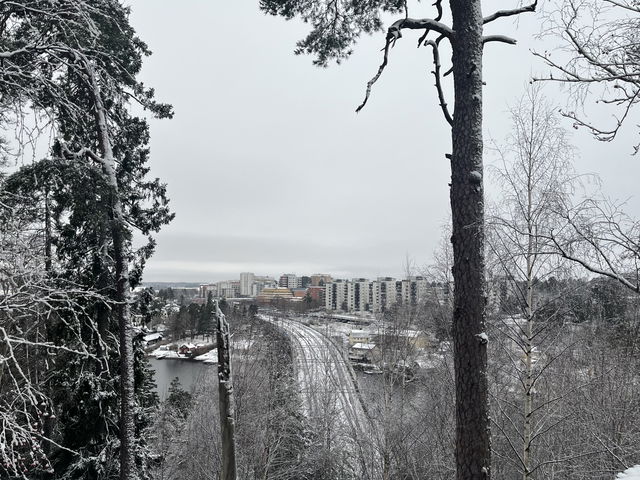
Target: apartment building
{"x":229,"y":289}
{"x":226,"y":289}
{"x":320,"y":279}
{"x":336,"y":294}
{"x":362,"y":295}
{"x":260,"y":283}
{"x":290,"y":280}
{"x":246,"y":283}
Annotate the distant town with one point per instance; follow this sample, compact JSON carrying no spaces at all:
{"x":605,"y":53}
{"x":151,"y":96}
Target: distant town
{"x":319,"y":290}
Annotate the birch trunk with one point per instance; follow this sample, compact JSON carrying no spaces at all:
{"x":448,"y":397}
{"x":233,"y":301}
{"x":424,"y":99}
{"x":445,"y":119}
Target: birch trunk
{"x":528,"y":341}
{"x":225,"y":398}
{"x":473,"y":455}
{"x":528,"y":386}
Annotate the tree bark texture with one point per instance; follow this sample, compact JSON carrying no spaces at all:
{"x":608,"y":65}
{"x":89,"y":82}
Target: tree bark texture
{"x":225,"y":398}
{"x":122,"y":310}
{"x":473,"y":449}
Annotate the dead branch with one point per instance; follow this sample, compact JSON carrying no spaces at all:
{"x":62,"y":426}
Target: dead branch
{"x":509,"y":13}
{"x":499,"y":38}
{"x":394,"y":33}
{"x":438,"y":85}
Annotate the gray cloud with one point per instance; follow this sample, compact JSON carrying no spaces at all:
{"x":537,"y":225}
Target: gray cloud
{"x":269,"y":168}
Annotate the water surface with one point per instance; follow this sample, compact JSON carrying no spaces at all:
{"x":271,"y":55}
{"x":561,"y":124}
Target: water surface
{"x":190,"y":373}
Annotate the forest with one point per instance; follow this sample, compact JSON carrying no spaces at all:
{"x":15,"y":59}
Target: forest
{"x":532,"y":369}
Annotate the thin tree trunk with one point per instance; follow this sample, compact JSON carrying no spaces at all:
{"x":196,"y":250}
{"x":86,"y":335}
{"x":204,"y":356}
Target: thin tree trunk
{"x":225,"y":398}
{"x":47,"y":231}
{"x":531,"y":258}
{"x":528,"y":385}
{"x":473,"y":452}
{"x":122,"y":311}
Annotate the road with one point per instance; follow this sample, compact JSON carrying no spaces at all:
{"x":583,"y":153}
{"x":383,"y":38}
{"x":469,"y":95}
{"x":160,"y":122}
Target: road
{"x":331,"y":401}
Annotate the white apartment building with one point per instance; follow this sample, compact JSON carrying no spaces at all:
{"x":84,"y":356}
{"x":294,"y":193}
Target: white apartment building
{"x":358,"y":295}
{"x":246,"y":282}
{"x":413,"y":289}
{"x":260,"y":283}
{"x":205,"y":290}
{"x":384,"y":293}
{"x":290,"y":280}
{"x":336,"y":294}
{"x":229,"y":289}
{"x":226,"y":289}
{"x":362,"y":295}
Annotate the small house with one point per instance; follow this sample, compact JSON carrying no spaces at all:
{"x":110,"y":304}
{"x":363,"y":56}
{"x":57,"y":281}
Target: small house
{"x":359,"y":336}
{"x":152,"y":338}
{"x":362,"y":352}
{"x":186,"y":349}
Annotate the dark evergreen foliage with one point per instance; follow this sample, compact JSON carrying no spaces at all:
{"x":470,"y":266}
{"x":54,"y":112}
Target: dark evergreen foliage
{"x":54,"y":42}
{"x":336,"y":25}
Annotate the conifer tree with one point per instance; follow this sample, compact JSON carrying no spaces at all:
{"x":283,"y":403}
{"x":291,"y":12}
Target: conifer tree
{"x":74,"y":63}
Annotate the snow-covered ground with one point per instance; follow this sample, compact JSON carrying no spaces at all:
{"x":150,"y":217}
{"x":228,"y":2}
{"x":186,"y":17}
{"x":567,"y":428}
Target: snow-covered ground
{"x":632,"y":473}
{"x":210,"y":357}
{"x":163,"y":352}
{"x":170,"y":350}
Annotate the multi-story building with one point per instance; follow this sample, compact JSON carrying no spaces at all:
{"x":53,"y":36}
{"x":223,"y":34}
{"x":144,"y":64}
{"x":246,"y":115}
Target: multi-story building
{"x":229,"y":289}
{"x":336,"y":294}
{"x":204,"y":290}
{"x":260,"y":283}
{"x":359,"y":298}
{"x":246,"y":283}
{"x":317,"y":294}
{"x":413,"y":289}
{"x":320,"y":279}
{"x":290,"y":280}
{"x":362,"y":295}
{"x":274,"y":295}
{"x":249,"y":285}
{"x":386,"y":292}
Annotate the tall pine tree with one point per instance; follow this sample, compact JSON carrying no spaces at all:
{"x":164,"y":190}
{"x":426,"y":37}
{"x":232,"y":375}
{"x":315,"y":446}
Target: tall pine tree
{"x":74,"y":63}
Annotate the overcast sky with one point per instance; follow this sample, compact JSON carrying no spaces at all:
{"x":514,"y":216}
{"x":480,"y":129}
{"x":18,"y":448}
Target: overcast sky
{"x":269,"y":168}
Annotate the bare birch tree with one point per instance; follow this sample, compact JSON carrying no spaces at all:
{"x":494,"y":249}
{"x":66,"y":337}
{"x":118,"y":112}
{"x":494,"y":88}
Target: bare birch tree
{"x":599,"y":59}
{"x":601,"y":237}
{"x":535,"y":173}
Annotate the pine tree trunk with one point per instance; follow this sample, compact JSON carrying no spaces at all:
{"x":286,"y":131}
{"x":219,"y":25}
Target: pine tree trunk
{"x":118,"y":233}
{"x":473,"y":452}
{"x":225,"y":398}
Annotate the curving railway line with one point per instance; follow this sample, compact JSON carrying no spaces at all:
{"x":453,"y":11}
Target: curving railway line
{"x":330,"y":396}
